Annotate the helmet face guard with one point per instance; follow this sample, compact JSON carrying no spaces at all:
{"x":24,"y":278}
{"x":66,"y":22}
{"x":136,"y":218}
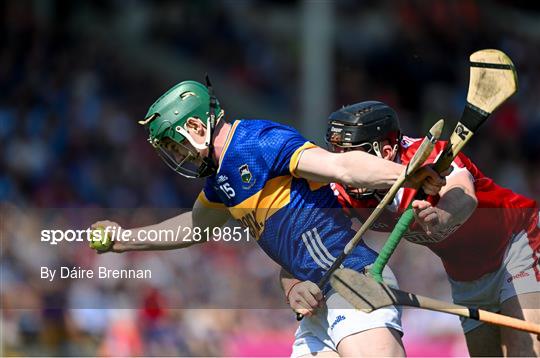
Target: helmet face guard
{"x":183,"y":164}
{"x":363,"y":193}
{"x":336,"y":146}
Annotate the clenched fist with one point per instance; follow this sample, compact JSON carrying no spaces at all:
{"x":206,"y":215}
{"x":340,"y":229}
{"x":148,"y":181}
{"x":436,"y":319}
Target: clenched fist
{"x":305,"y":297}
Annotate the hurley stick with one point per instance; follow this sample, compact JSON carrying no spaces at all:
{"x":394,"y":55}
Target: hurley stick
{"x":366,"y":294}
{"x":423,"y":152}
{"x":492,"y":81}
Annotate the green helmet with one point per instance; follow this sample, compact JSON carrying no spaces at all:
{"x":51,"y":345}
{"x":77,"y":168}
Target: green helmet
{"x":167,"y":118}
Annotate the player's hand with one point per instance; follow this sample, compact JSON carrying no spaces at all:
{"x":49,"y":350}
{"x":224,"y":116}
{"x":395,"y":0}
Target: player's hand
{"x":433,"y":220}
{"x":427,"y":178}
{"x":305,"y":297}
{"x":104,"y":224}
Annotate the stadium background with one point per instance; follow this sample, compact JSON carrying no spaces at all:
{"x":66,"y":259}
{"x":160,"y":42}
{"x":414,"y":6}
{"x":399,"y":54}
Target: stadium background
{"x":76,"y":76}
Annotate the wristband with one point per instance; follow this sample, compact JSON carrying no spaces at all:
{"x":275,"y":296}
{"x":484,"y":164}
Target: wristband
{"x":290,"y":289}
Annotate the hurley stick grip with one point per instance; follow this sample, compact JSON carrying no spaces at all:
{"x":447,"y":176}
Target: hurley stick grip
{"x":406,"y":219}
{"x":390,"y":246}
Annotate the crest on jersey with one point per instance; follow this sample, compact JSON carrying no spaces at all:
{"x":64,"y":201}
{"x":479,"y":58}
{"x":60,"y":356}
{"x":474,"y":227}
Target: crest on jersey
{"x":245,"y":174}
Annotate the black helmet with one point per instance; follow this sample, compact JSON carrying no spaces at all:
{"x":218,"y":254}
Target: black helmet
{"x":363,"y":124}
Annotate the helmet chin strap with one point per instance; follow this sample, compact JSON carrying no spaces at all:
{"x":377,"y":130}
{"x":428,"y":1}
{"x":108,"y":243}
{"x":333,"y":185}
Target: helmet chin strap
{"x":208,"y":165}
{"x":192,"y":141}
{"x":210,"y":129}
{"x":395,"y":151}
{"x":376,"y":148}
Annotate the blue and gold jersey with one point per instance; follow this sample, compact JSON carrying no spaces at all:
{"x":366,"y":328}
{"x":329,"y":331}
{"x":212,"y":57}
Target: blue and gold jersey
{"x":298,"y":223}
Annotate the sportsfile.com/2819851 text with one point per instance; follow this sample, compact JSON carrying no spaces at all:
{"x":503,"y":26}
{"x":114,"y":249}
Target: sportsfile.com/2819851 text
{"x":182,"y":233}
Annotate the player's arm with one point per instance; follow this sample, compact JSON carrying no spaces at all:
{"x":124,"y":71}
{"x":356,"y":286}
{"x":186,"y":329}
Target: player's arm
{"x":304,"y":297}
{"x":360,"y":170}
{"x":201,"y":217}
{"x":457,"y":203}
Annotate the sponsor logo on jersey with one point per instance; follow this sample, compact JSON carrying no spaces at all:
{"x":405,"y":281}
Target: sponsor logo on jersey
{"x":420,"y":237}
{"x":250,"y":221}
{"x":406,"y":142}
{"x":338,"y":319}
{"x":222,"y":178}
{"x":522,"y":274}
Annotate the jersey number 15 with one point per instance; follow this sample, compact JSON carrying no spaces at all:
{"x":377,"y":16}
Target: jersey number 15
{"x":227,"y":190}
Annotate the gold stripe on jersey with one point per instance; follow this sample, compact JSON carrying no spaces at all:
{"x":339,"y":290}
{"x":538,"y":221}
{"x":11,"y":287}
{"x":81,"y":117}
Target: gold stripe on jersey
{"x":295,"y":158}
{"x":227,"y":142}
{"x":255,"y":210}
{"x":207,"y":203}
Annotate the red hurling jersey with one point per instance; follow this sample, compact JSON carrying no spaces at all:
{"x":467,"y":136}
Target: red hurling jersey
{"x":479,"y":245}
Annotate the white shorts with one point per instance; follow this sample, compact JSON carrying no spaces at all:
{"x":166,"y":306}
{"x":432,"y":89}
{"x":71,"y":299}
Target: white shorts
{"x":518,"y":274}
{"x":324,"y":330}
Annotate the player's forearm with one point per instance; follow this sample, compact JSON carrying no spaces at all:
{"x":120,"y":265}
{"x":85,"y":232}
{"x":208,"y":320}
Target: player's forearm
{"x":173,"y":233}
{"x":458,"y":198}
{"x":456,"y":204}
{"x":355,"y":168}
{"x":362,"y":170}
{"x":459,"y":203}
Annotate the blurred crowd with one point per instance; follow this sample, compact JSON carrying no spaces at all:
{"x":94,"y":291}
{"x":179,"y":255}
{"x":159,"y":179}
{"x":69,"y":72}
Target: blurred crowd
{"x":68,"y":114}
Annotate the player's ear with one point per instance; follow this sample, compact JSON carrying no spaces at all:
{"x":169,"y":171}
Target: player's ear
{"x":387,"y":151}
{"x":196,"y":126}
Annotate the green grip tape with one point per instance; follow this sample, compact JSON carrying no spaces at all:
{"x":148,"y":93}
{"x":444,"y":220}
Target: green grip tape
{"x":390,"y":246}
